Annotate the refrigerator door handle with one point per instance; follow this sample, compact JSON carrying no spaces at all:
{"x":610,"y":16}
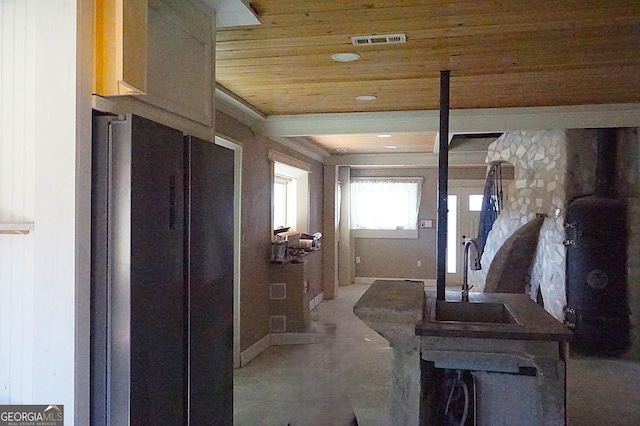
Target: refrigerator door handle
{"x":172,"y":202}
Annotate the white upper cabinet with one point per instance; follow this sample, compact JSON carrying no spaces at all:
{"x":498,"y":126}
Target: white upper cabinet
{"x":176,"y":70}
{"x":181,"y":60}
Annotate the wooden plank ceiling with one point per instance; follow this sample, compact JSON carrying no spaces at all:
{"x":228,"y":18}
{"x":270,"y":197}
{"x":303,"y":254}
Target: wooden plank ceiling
{"x":502,"y":53}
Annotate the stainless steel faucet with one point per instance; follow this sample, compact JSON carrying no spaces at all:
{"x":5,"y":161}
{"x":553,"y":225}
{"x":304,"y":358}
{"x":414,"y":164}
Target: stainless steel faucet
{"x":475,"y":265}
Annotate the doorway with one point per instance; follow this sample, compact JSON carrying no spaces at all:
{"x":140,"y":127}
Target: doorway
{"x":237,"y":194}
{"x":464,"y":204}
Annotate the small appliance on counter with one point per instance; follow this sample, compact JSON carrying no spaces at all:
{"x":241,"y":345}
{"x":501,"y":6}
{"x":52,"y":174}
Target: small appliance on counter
{"x":279,"y":250}
{"x":279,"y":246}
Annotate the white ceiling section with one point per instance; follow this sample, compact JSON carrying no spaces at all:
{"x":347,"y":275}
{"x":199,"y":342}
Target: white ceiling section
{"x":233,"y":13}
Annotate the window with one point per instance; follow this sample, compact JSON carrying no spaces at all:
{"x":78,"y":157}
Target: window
{"x":475,"y":202}
{"x":290,"y":194}
{"x":452,"y":233}
{"x":284,"y":202}
{"x":385,"y":203}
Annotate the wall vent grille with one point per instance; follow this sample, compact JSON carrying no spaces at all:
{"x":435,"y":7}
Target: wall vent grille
{"x":278,"y":291}
{"x":379,"y":39}
{"x":277,"y":323}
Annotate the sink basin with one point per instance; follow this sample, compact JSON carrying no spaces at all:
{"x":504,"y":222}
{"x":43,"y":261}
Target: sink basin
{"x":470,"y":312}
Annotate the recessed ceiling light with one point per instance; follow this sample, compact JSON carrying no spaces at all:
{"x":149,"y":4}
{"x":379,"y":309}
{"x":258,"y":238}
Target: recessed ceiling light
{"x":384,"y":135}
{"x":345,"y":57}
{"x":391,"y":147}
{"x":366,"y":98}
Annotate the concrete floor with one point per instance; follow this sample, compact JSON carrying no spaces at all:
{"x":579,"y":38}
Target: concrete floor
{"x":348,"y":371}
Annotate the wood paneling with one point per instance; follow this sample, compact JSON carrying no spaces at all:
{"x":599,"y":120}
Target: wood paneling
{"x":501,"y":54}
{"x":17,"y":143}
{"x":43,"y":152}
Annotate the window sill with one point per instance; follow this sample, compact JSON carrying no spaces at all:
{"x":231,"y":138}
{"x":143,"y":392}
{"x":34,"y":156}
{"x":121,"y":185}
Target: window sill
{"x":385,"y":233}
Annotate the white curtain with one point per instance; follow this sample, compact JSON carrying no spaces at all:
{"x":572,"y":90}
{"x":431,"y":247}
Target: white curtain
{"x":385,"y":203}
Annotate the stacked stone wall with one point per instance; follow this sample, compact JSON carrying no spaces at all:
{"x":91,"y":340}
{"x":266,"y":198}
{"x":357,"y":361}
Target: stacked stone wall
{"x":552,"y":168}
{"x":540,"y":164}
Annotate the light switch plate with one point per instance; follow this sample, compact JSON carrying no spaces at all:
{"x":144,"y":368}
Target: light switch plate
{"x":427,"y":223}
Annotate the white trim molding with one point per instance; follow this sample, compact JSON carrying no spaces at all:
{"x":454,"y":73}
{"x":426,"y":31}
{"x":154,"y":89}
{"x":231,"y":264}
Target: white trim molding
{"x":461,"y":121}
{"x":279,"y":157}
{"x":385,"y":233}
{"x":254,"y":350}
{"x":229,"y":103}
{"x":278,"y":339}
{"x":303,"y":146}
{"x":371,"y":280}
{"x":316,"y":301}
{"x":236,"y":107}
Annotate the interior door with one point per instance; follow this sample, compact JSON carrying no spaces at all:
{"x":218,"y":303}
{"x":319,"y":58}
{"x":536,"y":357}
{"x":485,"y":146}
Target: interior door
{"x":464,"y":203}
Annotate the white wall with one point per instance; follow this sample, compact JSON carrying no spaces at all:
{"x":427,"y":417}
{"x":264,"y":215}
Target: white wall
{"x":45,"y":136}
{"x":17,"y":145}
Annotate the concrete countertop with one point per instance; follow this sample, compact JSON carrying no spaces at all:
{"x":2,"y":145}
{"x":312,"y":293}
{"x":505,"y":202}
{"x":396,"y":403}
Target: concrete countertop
{"x":399,"y":311}
{"x":393,"y":308}
{"x":535,"y":322}
{"x":390,"y":299}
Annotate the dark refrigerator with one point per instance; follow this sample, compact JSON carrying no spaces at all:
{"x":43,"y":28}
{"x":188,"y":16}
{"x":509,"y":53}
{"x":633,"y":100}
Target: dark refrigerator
{"x":162,"y":276}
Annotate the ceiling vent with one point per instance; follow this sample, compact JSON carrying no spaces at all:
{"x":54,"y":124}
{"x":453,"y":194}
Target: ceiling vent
{"x":379,"y":39}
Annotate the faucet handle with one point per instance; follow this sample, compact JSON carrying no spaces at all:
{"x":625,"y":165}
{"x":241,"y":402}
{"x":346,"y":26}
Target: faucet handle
{"x":469,"y":289}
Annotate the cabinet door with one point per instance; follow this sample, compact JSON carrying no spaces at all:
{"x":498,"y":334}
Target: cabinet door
{"x":209,"y":178}
{"x":181,"y":60}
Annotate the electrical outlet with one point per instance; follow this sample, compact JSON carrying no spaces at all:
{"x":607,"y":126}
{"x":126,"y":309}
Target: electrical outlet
{"x":419,"y":263}
{"x":357,"y":259}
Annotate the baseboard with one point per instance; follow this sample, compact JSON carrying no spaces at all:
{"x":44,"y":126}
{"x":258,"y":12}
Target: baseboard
{"x":254,"y":350}
{"x":316,"y":300}
{"x":430,"y":284}
{"x":370,"y":280}
{"x":277,"y":339}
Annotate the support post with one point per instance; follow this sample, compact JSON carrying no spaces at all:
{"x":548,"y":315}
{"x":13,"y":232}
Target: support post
{"x":443,"y":177}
